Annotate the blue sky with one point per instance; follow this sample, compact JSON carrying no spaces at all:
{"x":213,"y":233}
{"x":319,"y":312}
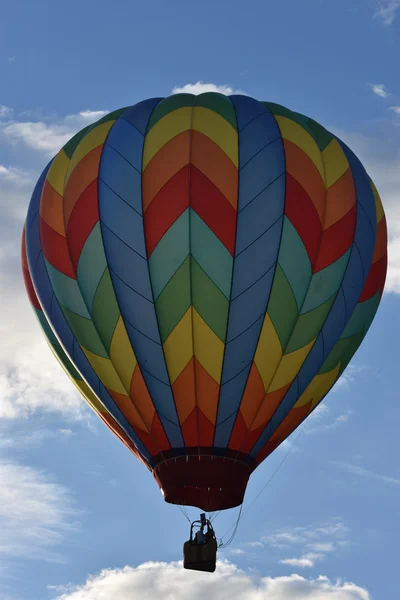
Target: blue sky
{"x":80,"y":518}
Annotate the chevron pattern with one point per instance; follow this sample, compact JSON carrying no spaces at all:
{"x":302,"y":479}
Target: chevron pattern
{"x":204,"y":268}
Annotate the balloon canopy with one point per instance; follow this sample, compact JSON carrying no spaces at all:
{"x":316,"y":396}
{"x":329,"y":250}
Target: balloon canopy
{"x":204,"y":268}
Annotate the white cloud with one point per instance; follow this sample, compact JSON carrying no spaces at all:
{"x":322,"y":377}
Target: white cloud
{"x":379,"y":89}
{"x":361,"y":472}
{"x":35,"y":513}
{"x":21,"y":439}
{"x":395,"y":109}
{"x":302,"y":562}
{"x":5,"y":112}
{"x":387,"y":11}
{"x":154,"y":580}
{"x":49,"y":137}
{"x":202,"y":88}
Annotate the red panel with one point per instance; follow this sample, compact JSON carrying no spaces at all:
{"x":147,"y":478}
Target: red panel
{"x":336,"y":240}
{"x":27,"y":277}
{"x":303,"y":215}
{"x":84,"y":217}
{"x":170,"y":202}
{"x":293,"y":419}
{"x":190,"y":430}
{"x":206,"y":430}
{"x":380,"y":241}
{"x":239,"y":433}
{"x":157,"y":431}
{"x":375,"y":280}
{"x":212,"y":206}
{"x":55,"y":249}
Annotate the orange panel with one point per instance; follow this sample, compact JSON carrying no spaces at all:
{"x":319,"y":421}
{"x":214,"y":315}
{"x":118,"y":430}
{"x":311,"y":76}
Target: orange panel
{"x":184,"y":392}
{"x":129,"y":411}
{"x":141,"y":397}
{"x":301,"y":167}
{"x":158,"y":433}
{"x":253,"y":396}
{"x":269,"y":406}
{"x":380,"y":241}
{"x":214,"y":164}
{"x":51,"y":208}
{"x":165,"y":164}
{"x":293,"y":419}
{"x":207,"y":392}
{"x":84,"y":173}
{"x":340,"y":199}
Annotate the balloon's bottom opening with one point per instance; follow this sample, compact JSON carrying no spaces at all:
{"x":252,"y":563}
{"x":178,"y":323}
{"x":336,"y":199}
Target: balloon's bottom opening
{"x":207,"y":482}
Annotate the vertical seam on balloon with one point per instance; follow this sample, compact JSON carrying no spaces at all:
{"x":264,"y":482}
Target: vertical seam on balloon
{"x":299,"y":311}
{"x":196,"y":406}
{"x":154,"y":304}
{"x":232,"y":277}
{"x":327,"y":316}
{"x":121,"y":316}
{"x":270,"y":291}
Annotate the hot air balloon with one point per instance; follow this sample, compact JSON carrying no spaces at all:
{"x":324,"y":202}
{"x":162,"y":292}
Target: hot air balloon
{"x":204,"y":268}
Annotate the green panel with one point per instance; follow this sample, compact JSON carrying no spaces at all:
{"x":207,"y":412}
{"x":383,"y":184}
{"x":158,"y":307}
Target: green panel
{"x":320,"y":134}
{"x":105,"y":310}
{"x":70,"y":146}
{"x":351,"y":350}
{"x":309,"y":326}
{"x":112,"y":116}
{"x":91,"y":266}
{"x":210,"y":253}
{"x":174,"y":300}
{"x":168,"y":105}
{"x":169,"y":254}
{"x":282,"y":111}
{"x":209,"y":301}
{"x":282,"y":307}
{"x":294,"y":261}
{"x":325,"y":283}
{"x":85,"y":332}
{"x":362,"y":316}
{"x":67,"y":291}
{"x":219,"y":104}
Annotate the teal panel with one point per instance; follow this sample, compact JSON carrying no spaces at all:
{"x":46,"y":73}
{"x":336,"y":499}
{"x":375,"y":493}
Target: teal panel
{"x":325,"y":283}
{"x":67,"y":291}
{"x":210,"y":254}
{"x":362,"y":316}
{"x":294,"y":261}
{"x":91,"y":266}
{"x":169,"y":254}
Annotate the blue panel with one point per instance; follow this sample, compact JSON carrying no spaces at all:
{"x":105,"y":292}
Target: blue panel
{"x":121,"y":219}
{"x":256,"y":260}
{"x":261,"y":171}
{"x":260,"y":214}
{"x":312,"y":364}
{"x":163,"y":399}
{"x":250,"y":305}
{"x":364,"y":238}
{"x":60,"y":325}
{"x":334,"y":324}
{"x":42,"y":283}
{"x":353,"y":282}
{"x":223,"y":432}
{"x":127,"y":141}
{"x":34,"y":204}
{"x":121,"y":177}
{"x":173,"y":432}
{"x":240,"y":351}
{"x":231,"y":395}
{"x":149,"y":354}
{"x":259,"y":133}
{"x":136,"y":309}
{"x":127,"y":264}
{"x":139,"y":114}
{"x":246,"y":109}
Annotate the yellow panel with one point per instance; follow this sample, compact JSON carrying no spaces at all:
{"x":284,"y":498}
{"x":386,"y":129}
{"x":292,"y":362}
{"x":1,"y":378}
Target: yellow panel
{"x":336,"y":163}
{"x":92,"y":140}
{"x":319,"y":386}
{"x":268,"y":353}
{"x":168,"y":127}
{"x":380,"y":213}
{"x":208,"y":348}
{"x":57,"y":172}
{"x":178,"y":347}
{"x":295,"y":133}
{"x":105,"y":371}
{"x":122,"y":355}
{"x":289,"y":367}
{"x":215,"y":127}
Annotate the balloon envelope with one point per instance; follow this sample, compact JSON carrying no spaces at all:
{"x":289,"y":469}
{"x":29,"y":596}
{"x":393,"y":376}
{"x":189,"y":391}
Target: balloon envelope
{"x":204,"y":268}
